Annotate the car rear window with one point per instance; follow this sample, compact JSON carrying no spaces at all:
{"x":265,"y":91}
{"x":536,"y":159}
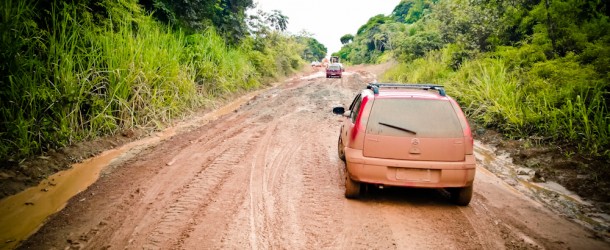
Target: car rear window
{"x":414,"y":117}
{"x":334,"y":67}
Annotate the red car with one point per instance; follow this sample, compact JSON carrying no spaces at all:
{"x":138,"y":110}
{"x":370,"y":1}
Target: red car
{"x":333,"y":70}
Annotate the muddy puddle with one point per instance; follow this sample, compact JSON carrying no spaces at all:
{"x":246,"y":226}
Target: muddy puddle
{"x":551,"y":194}
{"x":22,"y":214}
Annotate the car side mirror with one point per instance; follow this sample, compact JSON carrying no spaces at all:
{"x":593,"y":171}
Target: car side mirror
{"x":338,"y":110}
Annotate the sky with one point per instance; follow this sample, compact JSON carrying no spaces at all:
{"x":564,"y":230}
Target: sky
{"x":328,"y":20}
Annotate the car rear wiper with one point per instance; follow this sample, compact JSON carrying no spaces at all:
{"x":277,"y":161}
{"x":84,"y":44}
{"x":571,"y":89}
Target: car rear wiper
{"x":399,"y":128}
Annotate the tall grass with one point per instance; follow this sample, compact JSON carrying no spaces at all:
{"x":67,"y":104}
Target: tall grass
{"x":560,"y":99}
{"x":491,"y":94}
{"x":143,"y":79}
{"x":217,"y":68}
{"x":79,"y":75}
{"x":21,"y":103}
{"x":421,"y":70}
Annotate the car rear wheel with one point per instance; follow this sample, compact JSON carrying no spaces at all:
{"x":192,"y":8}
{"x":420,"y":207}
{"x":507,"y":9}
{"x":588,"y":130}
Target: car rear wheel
{"x":340,"y":149}
{"x":461,"y":196}
{"x":352,"y":188}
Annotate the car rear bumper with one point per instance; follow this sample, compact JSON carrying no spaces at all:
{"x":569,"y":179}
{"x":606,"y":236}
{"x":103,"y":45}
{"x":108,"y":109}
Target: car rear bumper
{"x":406,"y":173}
{"x":330,"y":73}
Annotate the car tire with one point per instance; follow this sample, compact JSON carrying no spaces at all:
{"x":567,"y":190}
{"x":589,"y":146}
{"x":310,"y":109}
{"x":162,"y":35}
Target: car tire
{"x":352,"y":188}
{"x":340,"y":149}
{"x":461,"y":196}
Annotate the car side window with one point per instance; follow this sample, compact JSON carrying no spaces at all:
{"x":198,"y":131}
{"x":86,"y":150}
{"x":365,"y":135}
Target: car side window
{"x":355,"y":108}
{"x":351,"y":106}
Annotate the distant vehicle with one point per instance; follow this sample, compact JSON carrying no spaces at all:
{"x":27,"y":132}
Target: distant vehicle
{"x":409,"y":136}
{"x":334,"y":70}
{"x":334,"y":59}
{"x":316,"y":64}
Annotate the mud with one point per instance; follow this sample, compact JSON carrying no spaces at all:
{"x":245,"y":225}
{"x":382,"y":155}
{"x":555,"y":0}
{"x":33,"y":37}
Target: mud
{"x":587,"y":176}
{"x":17,"y":175}
{"x":267,"y":176}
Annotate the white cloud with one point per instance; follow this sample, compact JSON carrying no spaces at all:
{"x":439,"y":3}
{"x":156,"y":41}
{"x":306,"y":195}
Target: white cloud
{"x":328,"y":20}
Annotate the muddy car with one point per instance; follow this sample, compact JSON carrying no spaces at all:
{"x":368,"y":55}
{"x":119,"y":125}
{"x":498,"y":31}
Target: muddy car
{"x":334,"y":70}
{"x":406,"y":135}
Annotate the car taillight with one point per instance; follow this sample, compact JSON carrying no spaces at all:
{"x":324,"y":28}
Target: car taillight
{"x":356,"y":128}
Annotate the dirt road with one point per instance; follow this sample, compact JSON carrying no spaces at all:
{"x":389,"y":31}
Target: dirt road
{"x":268,"y":176}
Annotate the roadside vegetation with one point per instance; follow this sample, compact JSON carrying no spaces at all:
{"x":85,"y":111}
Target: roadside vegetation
{"x":529,"y":69}
{"x":76,"y":70}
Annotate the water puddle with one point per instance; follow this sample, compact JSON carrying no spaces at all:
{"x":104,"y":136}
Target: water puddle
{"x":22,"y":214}
{"x":549,"y":193}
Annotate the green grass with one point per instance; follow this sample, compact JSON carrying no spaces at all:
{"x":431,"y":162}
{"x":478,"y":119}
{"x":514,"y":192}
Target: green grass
{"x":76,"y":75}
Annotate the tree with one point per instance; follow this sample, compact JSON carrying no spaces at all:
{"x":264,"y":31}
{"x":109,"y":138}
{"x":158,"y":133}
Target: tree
{"x":314,"y":50}
{"x":467,"y":24}
{"x":227,"y":16}
{"x":263,"y":22}
{"x":347,"y":38}
{"x":410,"y":11}
{"x":372,"y":24}
{"x":419,"y":44}
{"x":401,"y":10}
{"x":277,"y":20}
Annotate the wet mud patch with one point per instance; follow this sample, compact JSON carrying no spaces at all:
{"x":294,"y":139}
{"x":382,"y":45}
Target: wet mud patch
{"x":16,"y":176}
{"x":587,"y":177}
{"x":575,"y":186}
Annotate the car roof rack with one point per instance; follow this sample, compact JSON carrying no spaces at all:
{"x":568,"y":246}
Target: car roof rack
{"x":376,"y":86}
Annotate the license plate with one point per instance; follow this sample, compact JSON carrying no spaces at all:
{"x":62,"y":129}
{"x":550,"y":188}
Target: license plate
{"x":417,"y":175}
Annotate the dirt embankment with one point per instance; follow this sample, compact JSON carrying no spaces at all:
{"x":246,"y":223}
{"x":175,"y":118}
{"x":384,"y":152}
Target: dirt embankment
{"x":267,"y":176}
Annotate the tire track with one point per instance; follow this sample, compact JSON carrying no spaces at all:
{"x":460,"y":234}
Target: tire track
{"x":194,"y":196}
{"x":133,"y":206}
{"x":162,"y":190}
{"x":319,"y":197}
{"x":260,"y":234}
